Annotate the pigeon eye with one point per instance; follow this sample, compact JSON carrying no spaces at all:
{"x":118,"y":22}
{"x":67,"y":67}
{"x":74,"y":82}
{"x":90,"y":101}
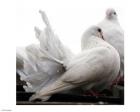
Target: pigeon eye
{"x":114,"y":13}
{"x":99,"y":30}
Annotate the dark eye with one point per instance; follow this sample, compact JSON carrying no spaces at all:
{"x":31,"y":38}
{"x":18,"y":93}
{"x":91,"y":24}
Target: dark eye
{"x":99,"y":30}
{"x":114,"y":13}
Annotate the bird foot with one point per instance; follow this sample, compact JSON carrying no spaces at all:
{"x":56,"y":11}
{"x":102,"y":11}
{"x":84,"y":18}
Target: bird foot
{"x":118,"y":81}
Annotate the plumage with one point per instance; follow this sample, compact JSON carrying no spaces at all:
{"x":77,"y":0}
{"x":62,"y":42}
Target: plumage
{"x":113,"y":34}
{"x":50,"y":67}
{"x":97,"y":65}
{"x":42,"y":64}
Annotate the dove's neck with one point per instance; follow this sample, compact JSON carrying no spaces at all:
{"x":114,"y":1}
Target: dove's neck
{"x":113,"y":20}
{"x":91,"y":42}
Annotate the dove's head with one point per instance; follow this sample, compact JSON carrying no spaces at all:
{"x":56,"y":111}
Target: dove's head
{"x":94,"y":31}
{"x":111,"y":13}
{"x":90,"y":37}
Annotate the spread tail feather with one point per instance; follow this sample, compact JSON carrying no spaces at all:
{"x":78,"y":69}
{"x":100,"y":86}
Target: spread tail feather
{"x":37,"y":31}
{"x":47,"y":60}
{"x":51,"y":43}
{"x":38,"y":70}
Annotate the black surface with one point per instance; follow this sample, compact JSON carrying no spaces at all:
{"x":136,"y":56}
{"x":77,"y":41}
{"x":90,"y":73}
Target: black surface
{"x":114,"y":97}
{"x":23,"y":96}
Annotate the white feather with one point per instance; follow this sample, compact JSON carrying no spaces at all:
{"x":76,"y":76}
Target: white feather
{"x":95,"y":67}
{"x":50,"y":67}
{"x":113,"y":33}
{"x":43,"y":63}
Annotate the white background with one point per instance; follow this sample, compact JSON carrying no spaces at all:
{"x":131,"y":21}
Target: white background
{"x":69,"y":19}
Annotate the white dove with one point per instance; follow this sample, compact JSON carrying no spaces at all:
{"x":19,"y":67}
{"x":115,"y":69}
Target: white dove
{"x":42,"y":64}
{"x":95,"y":67}
{"x":114,"y":34}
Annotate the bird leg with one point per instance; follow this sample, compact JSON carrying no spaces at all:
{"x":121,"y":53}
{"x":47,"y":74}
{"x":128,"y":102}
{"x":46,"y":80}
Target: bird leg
{"x":118,"y":79}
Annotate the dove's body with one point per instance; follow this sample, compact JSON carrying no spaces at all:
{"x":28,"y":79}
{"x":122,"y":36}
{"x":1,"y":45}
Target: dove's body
{"x":95,"y":67}
{"x":114,"y":34}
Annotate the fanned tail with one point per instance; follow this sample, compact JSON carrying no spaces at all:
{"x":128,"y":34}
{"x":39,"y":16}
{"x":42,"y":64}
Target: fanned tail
{"x":51,"y":43}
{"x":38,"y":70}
{"x":40,"y":65}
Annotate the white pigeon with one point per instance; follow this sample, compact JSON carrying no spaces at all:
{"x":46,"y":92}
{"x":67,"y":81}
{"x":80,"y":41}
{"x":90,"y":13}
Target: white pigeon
{"x":114,"y":34}
{"x":42,"y":64}
{"x":95,"y":67}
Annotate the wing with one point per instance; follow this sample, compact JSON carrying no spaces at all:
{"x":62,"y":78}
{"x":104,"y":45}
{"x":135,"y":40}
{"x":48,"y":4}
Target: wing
{"x":90,"y":66}
{"x":82,"y":72}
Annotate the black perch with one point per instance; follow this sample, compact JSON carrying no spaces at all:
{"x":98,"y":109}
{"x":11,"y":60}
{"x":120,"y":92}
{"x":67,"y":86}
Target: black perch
{"x":114,"y":97}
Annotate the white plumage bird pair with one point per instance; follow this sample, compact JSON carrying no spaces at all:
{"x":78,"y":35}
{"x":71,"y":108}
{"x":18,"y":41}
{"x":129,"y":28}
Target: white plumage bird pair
{"x":50,"y":67}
